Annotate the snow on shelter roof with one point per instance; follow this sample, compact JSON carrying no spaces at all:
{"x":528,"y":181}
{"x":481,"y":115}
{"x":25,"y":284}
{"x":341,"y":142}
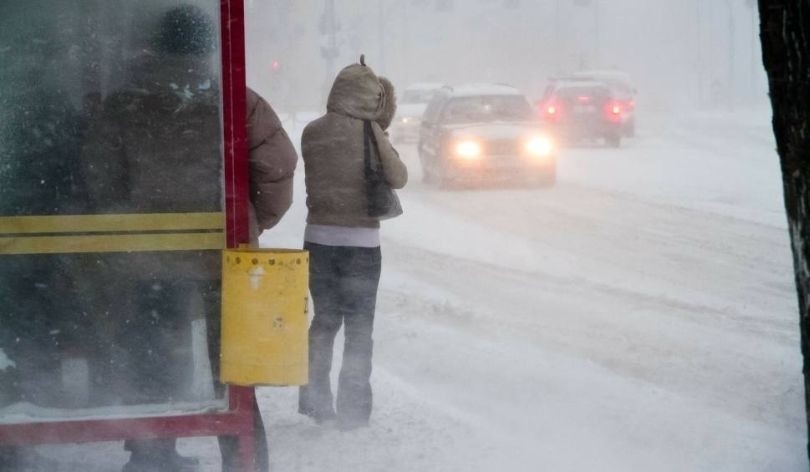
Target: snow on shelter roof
{"x":470,"y":90}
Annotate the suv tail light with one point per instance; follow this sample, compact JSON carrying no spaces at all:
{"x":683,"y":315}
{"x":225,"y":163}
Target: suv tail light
{"x":551,"y":111}
{"x":614,"y":109}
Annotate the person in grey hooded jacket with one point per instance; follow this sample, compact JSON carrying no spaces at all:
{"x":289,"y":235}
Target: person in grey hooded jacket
{"x":344,"y":241}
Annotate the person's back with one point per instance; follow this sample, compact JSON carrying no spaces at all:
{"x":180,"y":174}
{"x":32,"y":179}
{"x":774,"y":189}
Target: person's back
{"x":334,"y":178}
{"x":344,"y":242}
{"x":332,"y":149}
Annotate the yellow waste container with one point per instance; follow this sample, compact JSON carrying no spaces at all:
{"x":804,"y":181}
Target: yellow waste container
{"x":264,"y":317}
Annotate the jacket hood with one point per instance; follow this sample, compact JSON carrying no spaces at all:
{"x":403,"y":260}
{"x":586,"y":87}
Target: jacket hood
{"x":356,"y":93}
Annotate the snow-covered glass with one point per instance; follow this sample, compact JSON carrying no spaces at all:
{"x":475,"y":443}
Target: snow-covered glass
{"x":111,"y":213}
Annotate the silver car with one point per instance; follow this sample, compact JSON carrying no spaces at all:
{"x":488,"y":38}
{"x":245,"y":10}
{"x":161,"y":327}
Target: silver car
{"x":410,"y":107}
{"x":485,"y":132}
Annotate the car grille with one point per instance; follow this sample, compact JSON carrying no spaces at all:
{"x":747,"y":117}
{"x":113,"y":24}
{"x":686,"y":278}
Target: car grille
{"x":503,"y":147}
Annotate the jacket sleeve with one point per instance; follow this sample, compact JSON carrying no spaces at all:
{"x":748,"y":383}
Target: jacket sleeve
{"x":272,"y":162}
{"x":395,"y":171}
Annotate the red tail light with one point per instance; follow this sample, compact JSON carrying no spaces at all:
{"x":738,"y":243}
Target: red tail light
{"x":551,"y":111}
{"x":614,"y":110}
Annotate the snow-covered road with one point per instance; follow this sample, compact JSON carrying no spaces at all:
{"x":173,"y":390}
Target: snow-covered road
{"x":639,"y":316}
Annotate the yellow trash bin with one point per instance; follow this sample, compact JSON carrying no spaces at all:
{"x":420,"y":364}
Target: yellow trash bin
{"x":264,"y":317}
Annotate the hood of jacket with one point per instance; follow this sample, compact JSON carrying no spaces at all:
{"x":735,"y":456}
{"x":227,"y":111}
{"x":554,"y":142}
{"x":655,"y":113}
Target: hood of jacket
{"x":356,"y":93}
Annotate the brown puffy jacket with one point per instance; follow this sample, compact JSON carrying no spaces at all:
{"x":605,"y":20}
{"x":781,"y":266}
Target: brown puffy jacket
{"x":272,"y":164}
{"x":332,"y":149}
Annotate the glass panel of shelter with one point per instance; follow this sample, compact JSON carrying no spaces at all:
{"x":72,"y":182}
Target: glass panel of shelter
{"x":111,"y":207}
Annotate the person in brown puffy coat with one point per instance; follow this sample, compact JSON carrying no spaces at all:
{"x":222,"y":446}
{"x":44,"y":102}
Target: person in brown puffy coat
{"x":272,"y":163}
{"x":156,"y":148}
{"x":271,"y":160}
{"x":344,"y":242}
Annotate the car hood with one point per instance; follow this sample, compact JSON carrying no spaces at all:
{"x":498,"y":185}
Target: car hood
{"x":415,"y":110}
{"x":496,"y":130}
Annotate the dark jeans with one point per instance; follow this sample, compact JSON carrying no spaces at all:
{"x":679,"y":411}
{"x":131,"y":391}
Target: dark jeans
{"x":343,"y":281}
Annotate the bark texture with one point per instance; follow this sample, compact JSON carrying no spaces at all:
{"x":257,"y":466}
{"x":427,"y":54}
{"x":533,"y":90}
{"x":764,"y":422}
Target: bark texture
{"x":785,"y":35}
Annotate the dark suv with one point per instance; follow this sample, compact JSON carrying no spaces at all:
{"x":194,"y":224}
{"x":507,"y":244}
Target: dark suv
{"x":484,"y":132}
{"x":623,"y":90}
{"x":581,"y":110}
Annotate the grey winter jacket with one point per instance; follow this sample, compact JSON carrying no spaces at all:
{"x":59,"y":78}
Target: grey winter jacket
{"x":332,"y":149}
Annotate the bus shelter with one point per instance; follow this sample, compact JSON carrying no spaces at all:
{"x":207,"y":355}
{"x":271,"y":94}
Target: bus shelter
{"x":123,"y":175}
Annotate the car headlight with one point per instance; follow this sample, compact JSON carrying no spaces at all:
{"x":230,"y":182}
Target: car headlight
{"x":540,"y":146}
{"x":406,"y":120}
{"x":468,"y":149}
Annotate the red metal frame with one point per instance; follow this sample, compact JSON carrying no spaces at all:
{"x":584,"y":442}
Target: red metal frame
{"x":235,"y":115}
{"x":238,"y":419}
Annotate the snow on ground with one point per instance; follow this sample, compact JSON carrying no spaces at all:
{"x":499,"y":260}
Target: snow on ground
{"x":640,"y":315}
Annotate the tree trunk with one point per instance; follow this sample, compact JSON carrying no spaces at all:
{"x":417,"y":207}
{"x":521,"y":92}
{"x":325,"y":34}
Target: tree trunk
{"x":785,"y":34}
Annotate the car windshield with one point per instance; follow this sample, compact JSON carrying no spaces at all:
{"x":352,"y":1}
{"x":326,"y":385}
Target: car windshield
{"x":488,"y":108}
{"x":417,"y":96}
{"x":569,"y":93}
